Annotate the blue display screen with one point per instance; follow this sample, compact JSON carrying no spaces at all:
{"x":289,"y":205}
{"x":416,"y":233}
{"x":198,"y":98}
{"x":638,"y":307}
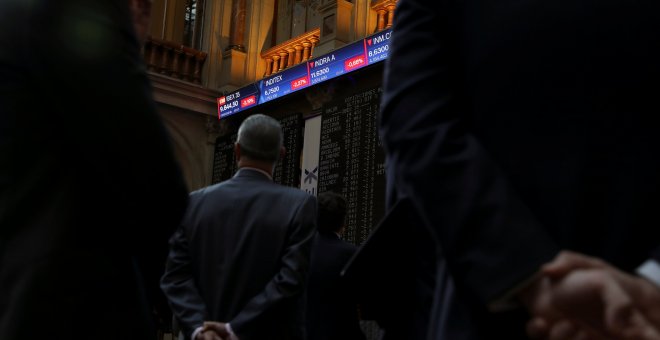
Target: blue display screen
{"x":367,"y":51}
{"x":237,"y":101}
{"x":334,"y":64}
{"x":378,"y":46}
{"x":283,"y":83}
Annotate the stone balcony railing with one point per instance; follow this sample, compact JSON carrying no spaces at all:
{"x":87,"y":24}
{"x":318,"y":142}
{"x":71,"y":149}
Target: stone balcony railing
{"x":385,"y":13}
{"x":174,"y":60}
{"x":291,"y":52}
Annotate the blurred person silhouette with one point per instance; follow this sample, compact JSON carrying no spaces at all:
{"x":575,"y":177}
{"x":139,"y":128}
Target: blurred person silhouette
{"x":238,"y":264}
{"x":89,"y":187}
{"x":332,"y":303}
{"x":513,"y":131}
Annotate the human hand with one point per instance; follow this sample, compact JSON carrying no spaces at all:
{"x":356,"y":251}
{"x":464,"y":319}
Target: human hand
{"x":212,"y":330}
{"x":209,"y":335}
{"x":549,"y":321}
{"x":591,"y":299}
{"x":592,"y":305}
{"x":644,"y":294}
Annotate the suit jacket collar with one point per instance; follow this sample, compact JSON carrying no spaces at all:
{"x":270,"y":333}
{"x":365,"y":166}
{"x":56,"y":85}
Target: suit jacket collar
{"x":247,"y":172}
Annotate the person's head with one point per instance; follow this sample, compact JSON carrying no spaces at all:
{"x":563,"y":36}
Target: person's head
{"x":331,"y":212}
{"x":259,"y":142}
{"x":141,"y":13}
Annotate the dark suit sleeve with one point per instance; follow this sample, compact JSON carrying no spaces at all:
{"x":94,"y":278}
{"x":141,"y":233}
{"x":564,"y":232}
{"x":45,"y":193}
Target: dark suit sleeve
{"x":290,"y":281}
{"x":179,"y":285}
{"x":655,"y":255}
{"x":485,"y":232}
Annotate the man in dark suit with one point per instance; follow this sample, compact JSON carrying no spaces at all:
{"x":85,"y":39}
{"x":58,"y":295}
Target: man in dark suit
{"x":517,"y":129}
{"x":241,"y":254}
{"x":89,"y":187}
{"x":332,"y":308}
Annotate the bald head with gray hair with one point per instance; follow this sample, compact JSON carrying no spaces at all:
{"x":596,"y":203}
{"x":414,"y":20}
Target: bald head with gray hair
{"x":260,"y":138}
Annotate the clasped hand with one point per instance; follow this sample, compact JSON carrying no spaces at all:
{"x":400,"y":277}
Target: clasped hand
{"x":213,"y":330}
{"x":584,"y":298}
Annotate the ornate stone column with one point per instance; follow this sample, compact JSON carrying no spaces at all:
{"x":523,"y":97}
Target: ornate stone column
{"x":314,"y":42}
{"x":276,"y":63}
{"x":390,"y":15}
{"x":269,"y":66}
{"x":298,"y":57}
{"x":307,"y":50}
{"x":381,"y":19}
{"x":290,"y":57}
{"x":336,"y":27}
{"x":283,"y":56}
